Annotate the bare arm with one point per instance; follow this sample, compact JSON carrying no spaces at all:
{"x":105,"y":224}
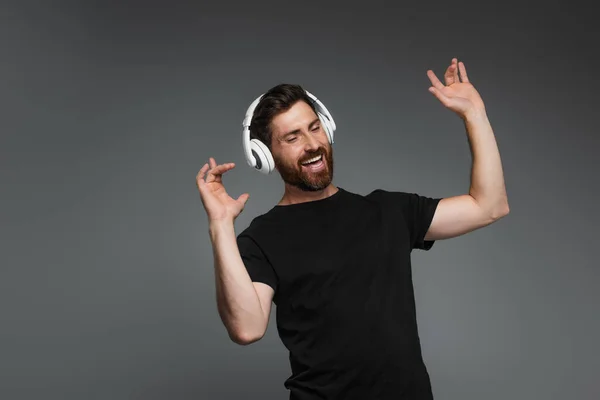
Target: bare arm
{"x":487,"y":200}
{"x":238,"y":302}
{"x":244,"y":306}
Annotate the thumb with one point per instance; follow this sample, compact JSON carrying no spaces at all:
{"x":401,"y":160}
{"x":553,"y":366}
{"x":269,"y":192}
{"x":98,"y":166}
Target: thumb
{"x":440,"y":96}
{"x":243,"y":198}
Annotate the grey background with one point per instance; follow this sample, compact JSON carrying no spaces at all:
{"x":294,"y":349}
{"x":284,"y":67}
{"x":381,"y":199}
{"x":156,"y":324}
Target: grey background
{"x":109,"y":109}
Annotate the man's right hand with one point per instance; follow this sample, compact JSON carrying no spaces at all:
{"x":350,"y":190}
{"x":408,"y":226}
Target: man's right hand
{"x":218,"y":204}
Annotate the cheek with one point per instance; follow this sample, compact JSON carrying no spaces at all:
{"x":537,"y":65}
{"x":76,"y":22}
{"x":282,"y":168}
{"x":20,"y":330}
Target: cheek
{"x":289,"y":157}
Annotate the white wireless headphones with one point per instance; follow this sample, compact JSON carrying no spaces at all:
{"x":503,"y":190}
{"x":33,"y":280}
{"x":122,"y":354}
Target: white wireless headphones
{"x":257,"y":153}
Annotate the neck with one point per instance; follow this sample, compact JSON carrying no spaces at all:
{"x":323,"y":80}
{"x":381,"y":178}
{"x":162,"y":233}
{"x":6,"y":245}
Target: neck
{"x":293,"y":195}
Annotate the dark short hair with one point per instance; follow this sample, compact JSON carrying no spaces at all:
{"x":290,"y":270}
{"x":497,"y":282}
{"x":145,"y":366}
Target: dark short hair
{"x":276,"y":100}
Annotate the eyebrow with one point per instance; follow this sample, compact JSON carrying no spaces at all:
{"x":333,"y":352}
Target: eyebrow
{"x":298,"y":130}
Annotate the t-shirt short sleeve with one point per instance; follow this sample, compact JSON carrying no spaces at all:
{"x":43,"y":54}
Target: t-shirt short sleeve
{"x":418,"y":212}
{"x":255,"y":261}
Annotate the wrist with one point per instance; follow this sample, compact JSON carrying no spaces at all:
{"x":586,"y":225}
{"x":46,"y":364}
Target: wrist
{"x":475,"y":115}
{"x":217,"y":227}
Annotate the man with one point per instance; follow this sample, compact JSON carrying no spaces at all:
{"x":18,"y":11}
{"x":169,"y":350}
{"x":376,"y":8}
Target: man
{"x":336,"y":263}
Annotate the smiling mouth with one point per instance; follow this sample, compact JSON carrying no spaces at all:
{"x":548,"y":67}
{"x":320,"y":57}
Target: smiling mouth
{"x":313,"y":160}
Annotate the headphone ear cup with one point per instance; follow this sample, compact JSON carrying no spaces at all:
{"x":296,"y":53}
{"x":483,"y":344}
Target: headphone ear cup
{"x":327,"y":126}
{"x":264,"y":159}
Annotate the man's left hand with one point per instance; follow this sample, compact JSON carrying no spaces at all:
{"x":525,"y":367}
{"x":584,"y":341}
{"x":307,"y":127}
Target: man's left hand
{"x":460,"y":97}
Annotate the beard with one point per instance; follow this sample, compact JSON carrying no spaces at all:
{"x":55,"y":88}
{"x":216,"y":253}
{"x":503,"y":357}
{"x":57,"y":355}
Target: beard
{"x":303,"y":178}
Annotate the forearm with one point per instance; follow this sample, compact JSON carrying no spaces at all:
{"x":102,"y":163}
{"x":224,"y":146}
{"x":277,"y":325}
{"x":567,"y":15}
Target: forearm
{"x":487,"y":177}
{"x":237,"y":301}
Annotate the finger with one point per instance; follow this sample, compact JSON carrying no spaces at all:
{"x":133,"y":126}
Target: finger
{"x":463,"y":72}
{"x":434,"y":80}
{"x":200,"y":175}
{"x":243,"y":198}
{"x":221,"y":169}
{"x":449,"y":75}
{"x":214,"y":174}
{"x":440,"y":96}
{"x":455,"y":70}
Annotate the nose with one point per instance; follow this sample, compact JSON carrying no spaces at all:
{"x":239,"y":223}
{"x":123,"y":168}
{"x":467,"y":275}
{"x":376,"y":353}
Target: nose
{"x":311,"y":143}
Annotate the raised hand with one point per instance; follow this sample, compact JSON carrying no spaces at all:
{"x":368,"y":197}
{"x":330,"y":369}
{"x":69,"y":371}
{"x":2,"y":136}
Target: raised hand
{"x":460,"y":97}
{"x":218,"y":204}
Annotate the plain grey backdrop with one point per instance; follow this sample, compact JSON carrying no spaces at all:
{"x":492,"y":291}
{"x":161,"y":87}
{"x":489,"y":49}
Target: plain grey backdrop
{"x":109,"y":109}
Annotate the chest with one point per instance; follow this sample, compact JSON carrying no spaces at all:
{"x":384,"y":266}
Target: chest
{"x":334,"y":257}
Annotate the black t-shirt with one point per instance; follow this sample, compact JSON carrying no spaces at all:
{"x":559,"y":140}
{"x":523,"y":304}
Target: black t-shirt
{"x":341,"y":270}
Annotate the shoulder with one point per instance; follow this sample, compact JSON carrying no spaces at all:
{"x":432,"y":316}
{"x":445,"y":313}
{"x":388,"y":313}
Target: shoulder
{"x":260,"y":226}
{"x":386,"y":196}
{"x":406,"y":201}
{"x":252,"y":239}
{"x":397,"y":195}
{"x":253,"y":228}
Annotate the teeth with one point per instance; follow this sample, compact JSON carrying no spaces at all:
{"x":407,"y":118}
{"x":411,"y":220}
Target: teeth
{"x":312,"y":160}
